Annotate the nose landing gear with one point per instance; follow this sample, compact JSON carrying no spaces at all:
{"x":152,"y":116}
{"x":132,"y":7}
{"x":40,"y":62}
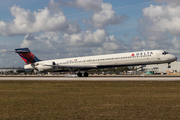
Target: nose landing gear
{"x":169,"y":66}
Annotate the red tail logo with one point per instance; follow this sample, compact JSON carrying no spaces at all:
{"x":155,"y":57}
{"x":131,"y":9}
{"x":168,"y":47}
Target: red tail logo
{"x":26,"y":55}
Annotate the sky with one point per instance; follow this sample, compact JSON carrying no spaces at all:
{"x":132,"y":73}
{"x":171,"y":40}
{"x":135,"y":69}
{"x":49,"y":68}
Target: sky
{"x":54,"y":29}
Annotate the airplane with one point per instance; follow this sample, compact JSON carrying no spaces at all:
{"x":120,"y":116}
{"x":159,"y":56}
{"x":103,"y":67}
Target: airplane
{"x":94,"y":62}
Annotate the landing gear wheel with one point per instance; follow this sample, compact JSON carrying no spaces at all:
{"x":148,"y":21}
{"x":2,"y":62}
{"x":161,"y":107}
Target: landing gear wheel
{"x":86,"y":74}
{"x":79,"y":74}
{"x":169,"y":66}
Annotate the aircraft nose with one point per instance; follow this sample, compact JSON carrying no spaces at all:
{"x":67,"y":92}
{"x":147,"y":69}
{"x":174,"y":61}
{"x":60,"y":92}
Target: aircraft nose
{"x":174,"y":58}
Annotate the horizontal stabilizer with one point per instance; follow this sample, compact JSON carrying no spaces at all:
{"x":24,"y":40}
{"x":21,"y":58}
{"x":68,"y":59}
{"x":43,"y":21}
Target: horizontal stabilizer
{"x":22,"y":50}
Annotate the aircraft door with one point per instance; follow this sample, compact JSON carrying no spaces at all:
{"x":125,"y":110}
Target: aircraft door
{"x":158,"y":56}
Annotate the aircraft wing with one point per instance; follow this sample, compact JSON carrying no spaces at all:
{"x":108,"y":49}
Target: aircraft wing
{"x":74,"y":66}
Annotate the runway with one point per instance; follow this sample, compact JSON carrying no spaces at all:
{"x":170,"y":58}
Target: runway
{"x":37,"y":78}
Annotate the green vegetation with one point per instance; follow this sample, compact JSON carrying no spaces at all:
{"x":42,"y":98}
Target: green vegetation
{"x":42,"y":100}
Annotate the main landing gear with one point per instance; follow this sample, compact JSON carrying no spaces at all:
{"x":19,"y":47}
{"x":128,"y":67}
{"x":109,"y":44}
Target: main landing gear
{"x":80,"y":74}
{"x":86,"y":74}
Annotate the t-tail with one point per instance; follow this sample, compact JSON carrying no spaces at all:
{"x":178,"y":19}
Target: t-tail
{"x":26,"y":55}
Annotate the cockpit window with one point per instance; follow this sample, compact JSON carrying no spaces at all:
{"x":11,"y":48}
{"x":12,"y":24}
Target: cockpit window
{"x":164,"y":53}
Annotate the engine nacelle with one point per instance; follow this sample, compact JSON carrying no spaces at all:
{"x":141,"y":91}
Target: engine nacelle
{"x":29,"y":66}
{"x":40,"y":66}
{"x":44,"y":68}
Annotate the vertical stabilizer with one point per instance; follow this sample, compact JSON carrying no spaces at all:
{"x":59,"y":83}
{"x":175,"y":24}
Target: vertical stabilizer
{"x":26,"y":55}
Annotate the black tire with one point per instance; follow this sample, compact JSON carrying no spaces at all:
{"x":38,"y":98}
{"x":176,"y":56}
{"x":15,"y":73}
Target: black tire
{"x":86,"y":74}
{"x":79,"y":74}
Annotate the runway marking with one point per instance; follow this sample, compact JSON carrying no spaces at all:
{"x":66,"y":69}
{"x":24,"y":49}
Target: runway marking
{"x":92,"y":78}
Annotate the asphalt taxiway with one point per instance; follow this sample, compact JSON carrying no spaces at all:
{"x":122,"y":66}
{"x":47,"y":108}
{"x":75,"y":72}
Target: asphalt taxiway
{"x":37,"y":78}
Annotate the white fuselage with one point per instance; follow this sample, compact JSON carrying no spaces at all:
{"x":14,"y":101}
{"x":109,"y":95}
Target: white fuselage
{"x":103,"y":61}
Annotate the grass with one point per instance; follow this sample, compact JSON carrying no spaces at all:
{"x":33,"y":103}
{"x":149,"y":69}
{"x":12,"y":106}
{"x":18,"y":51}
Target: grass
{"x":40,"y":100}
